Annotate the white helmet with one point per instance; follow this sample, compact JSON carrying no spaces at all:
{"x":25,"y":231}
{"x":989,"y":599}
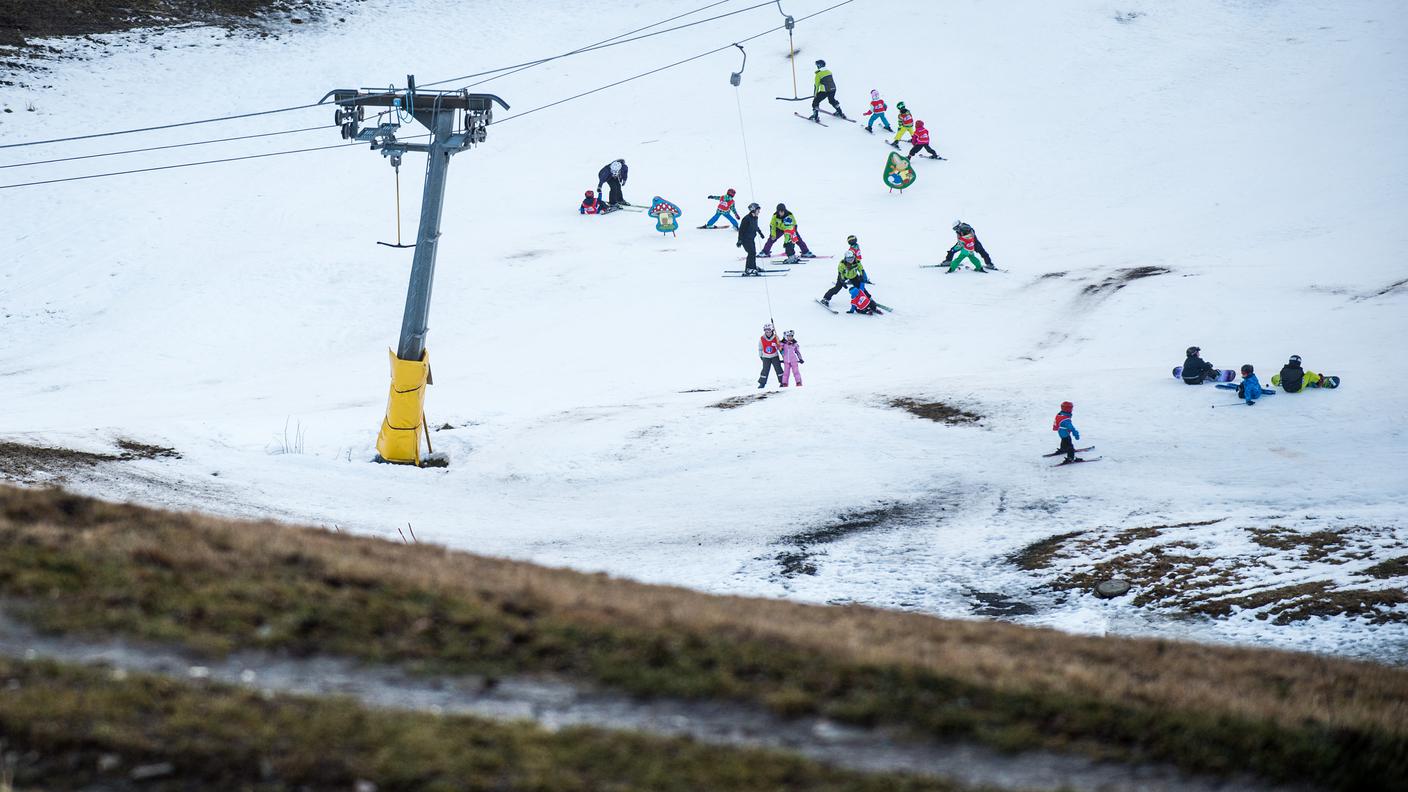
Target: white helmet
{"x":767,"y":328}
{"x":874,"y":94}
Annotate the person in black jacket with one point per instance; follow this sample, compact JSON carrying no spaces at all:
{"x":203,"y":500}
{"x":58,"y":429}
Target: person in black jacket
{"x":1292,"y":375}
{"x":614,"y":176}
{"x":1196,"y":371}
{"x":748,"y":236}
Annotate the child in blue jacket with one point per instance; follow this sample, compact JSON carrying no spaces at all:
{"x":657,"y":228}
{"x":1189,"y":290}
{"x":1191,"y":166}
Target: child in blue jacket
{"x":1250,"y":387}
{"x":1062,"y":425}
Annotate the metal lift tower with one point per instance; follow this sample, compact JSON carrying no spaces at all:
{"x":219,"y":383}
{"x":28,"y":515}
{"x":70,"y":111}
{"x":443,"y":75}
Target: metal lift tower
{"x":439,"y":112}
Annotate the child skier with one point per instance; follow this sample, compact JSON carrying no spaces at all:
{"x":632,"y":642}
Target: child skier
{"x":591,"y":204}
{"x":853,"y":246}
{"x":849,"y":273}
{"x":919,"y":140}
{"x":725,"y":209}
{"x":905,"y":124}
{"x":861,"y":303}
{"x":791,"y":357}
{"x":770,"y":351}
{"x":1249,"y":389}
{"x":784,"y":226}
{"x":967,"y":247}
{"x":1196,"y":371}
{"x":748,"y":236}
{"x":877,"y":113}
{"x":824,"y":87}
{"x":1062,"y":425}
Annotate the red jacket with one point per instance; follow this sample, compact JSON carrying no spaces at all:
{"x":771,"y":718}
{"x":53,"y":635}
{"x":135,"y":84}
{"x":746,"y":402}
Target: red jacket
{"x":919,"y":137}
{"x":877,"y":106}
{"x":590,"y":206}
{"x":861,"y":301}
{"x":769,"y":347}
{"x":725,"y":202}
{"x":906,"y":119}
{"x":969,"y":242}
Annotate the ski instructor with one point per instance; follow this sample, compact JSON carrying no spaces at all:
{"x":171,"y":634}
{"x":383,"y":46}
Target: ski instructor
{"x":748,"y":235}
{"x":614,"y":176}
{"x":824,"y":87}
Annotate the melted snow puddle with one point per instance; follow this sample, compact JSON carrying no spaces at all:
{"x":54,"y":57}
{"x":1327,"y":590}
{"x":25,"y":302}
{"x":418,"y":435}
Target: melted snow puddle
{"x":555,"y":705}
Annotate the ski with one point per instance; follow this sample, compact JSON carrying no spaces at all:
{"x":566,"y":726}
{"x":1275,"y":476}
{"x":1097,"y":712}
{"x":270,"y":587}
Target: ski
{"x":1059,"y":453}
{"x":827,"y":307}
{"x":768,"y":274}
{"x":833,"y":115}
{"x":793,"y":98}
{"x":809,"y":118}
{"x":800,"y":259}
{"x":716,"y":228}
{"x":883,"y":307}
{"x":1077,"y":459}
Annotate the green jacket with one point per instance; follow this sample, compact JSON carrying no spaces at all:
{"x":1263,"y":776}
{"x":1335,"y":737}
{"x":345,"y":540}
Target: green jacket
{"x":779,"y":225}
{"x":849,"y":271}
{"x":823,"y":80}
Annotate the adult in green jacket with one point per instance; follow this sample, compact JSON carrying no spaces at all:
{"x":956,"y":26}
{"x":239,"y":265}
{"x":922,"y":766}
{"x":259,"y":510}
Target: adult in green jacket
{"x":824,"y":87}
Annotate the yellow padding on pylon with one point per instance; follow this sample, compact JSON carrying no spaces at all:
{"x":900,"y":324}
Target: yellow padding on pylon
{"x":399,"y":439}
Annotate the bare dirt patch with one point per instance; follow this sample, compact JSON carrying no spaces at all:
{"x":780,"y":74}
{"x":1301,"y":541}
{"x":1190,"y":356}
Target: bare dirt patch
{"x":1176,"y":568}
{"x":29,"y":463}
{"x":937,"y":411}
{"x":1120,"y":279}
{"x":734,"y":402}
{"x":22,"y":21}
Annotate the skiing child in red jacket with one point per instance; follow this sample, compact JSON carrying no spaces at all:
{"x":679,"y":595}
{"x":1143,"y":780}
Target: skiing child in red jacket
{"x":919,"y":140}
{"x":592,"y":204}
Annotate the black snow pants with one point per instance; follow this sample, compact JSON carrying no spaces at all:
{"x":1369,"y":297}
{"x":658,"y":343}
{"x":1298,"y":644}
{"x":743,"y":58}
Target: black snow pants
{"x":829,"y":96}
{"x":770,"y":363}
{"x":614,"y":184}
{"x":751,"y":245}
{"x":926,"y":147}
{"x":841,"y":283}
{"x":1068,"y":447}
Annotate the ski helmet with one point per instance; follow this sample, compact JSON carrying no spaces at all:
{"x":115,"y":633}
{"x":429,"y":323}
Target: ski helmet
{"x":789,"y":334}
{"x":1295,"y":360}
{"x":1193,"y":351}
{"x":590,"y":193}
{"x":918,"y":124}
{"x":767,"y":328}
{"x":821,"y":64}
{"x":900,"y":105}
{"x":753,"y":207}
{"x":1247,"y":369}
{"x":851,"y":240}
{"x":1067,"y":406}
{"x":782,"y":207}
{"x":850,"y":257}
{"x":732,"y":192}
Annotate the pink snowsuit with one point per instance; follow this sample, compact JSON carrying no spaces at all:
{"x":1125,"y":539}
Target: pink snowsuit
{"x":791,"y":356}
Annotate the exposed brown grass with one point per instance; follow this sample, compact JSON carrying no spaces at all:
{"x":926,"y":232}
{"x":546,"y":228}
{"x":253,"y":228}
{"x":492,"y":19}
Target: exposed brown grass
{"x":60,"y":550}
{"x":937,"y":411}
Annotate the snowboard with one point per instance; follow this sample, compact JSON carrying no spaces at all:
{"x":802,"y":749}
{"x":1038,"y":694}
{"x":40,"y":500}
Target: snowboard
{"x":1223,"y":375}
{"x":1059,"y":453}
{"x":1063,"y":463}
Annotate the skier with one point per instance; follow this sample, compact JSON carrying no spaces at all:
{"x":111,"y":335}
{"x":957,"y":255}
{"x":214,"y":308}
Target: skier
{"x":770,"y":351}
{"x":861,"y":303}
{"x":877,"y":113}
{"x":919,"y":139}
{"x":791,"y":357}
{"x":905,"y":124}
{"x":1249,"y":389}
{"x":591,"y":204}
{"x":849,"y":273}
{"x":1062,"y":425}
{"x":614,"y":176}
{"x":824,"y":87}
{"x":725,"y":209}
{"x":965,"y":247}
{"x":784,"y":226}
{"x":748,"y":234}
{"x":853,"y":245}
{"x":1196,"y":371}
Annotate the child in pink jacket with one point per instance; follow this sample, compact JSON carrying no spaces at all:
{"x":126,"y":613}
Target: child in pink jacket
{"x":791,"y":357}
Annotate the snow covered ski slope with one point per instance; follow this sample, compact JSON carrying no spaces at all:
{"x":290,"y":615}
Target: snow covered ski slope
{"x":1223,"y":173}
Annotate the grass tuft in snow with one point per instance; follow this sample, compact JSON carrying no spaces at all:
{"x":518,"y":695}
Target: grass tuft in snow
{"x":937,"y":411}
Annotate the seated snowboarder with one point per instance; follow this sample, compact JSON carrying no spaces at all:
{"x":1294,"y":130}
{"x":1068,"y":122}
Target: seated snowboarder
{"x":1294,"y":378}
{"x":1196,"y":371}
{"x":591,"y":204}
{"x":861,"y":303}
{"x":967,"y":248}
{"x":1249,"y":389}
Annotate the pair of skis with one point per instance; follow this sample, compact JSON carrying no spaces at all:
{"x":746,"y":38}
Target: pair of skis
{"x":760,"y":273}
{"x":828,"y":112}
{"x":1072,"y":461}
{"x":827,"y":306}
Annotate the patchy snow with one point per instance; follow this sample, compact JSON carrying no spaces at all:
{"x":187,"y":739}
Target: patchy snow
{"x":240,"y":313}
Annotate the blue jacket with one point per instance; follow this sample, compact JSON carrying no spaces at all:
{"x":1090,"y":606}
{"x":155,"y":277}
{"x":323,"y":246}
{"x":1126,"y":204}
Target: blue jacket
{"x":1251,"y":389}
{"x":1065,"y":428}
